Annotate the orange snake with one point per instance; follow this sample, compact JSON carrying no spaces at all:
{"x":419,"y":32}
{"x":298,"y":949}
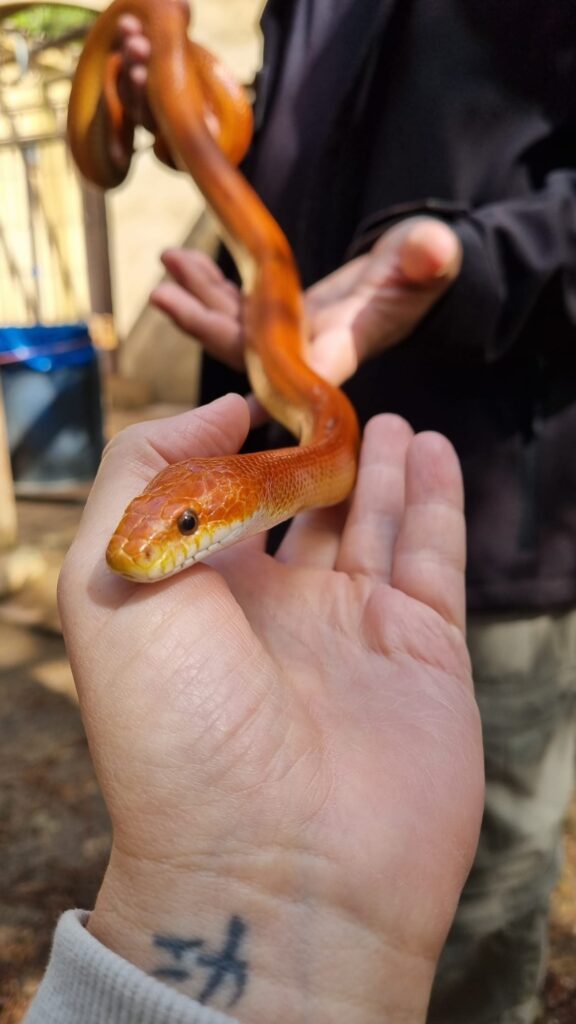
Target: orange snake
{"x":198,"y":506}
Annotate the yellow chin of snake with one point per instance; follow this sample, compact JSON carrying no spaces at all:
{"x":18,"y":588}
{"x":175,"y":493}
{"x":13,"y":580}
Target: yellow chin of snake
{"x":159,"y":557}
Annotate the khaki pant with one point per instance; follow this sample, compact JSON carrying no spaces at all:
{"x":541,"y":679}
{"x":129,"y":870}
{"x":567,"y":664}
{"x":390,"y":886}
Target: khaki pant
{"x":525,"y":676}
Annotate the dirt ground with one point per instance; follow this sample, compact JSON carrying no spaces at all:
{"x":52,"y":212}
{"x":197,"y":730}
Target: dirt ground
{"x":54,"y":830}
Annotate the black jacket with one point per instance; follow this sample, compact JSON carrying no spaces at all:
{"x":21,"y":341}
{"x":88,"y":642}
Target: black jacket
{"x":465,"y":109}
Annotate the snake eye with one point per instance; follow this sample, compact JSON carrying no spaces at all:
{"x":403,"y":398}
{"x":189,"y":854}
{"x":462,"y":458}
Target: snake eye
{"x":188,"y":522}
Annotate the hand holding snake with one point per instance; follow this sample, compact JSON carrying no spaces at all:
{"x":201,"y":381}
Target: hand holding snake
{"x":291,"y":739}
{"x":368,"y":305}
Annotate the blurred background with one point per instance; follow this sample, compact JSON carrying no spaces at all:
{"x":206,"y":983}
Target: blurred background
{"x":81,"y":355}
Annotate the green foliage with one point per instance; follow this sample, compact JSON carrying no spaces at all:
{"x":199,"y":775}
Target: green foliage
{"x":48,"y":21}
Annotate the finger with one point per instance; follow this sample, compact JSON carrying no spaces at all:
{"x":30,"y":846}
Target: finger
{"x":138,"y":79}
{"x":369,"y":536}
{"x":136,"y":49}
{"x":332,"y":306}
{"x":218,"y":334}
{"x":430,"y":553}
{"x":134,"y":457}
{"x":180,"y":260}
{"x":203,"y":303}
{"x":313,"y":538}
{"x":334,"y":353}
{"x":201,"y":276}
{"x":408,"y":270}
{"x":429,"y":252}
{"x":129,"y":24}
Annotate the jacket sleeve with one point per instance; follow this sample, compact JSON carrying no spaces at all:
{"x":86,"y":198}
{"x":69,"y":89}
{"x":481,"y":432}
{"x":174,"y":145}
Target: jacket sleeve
{"x":516,"y":253}
{"x":86,"y":983}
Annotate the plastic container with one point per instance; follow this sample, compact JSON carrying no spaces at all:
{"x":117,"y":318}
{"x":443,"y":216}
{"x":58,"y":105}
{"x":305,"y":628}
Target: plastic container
{"x":51,"y":386}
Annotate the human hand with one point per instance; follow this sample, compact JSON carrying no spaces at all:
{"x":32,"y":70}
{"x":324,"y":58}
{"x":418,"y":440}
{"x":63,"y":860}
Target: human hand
{"x":289,"y":747}
{"x":129,"y":71}
{"x":363,"y":308}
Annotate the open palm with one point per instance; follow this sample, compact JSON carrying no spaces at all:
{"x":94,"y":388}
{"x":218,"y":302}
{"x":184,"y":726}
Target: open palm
{"x":309,"y":714}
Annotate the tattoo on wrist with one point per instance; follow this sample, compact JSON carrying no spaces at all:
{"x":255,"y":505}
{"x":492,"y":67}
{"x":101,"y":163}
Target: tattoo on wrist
{"x":214,"y":971}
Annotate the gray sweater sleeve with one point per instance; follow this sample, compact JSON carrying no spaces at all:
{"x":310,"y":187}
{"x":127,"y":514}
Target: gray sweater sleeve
{"x":86,"y":983}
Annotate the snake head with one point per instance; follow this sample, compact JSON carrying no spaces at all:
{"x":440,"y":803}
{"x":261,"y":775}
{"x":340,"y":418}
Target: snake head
{"x":189,"y":511}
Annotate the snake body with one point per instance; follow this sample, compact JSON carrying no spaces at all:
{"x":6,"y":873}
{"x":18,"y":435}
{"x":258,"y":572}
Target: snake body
{"x":200,"y":505}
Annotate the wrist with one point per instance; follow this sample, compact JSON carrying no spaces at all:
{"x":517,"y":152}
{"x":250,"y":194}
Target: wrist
{"x":257,"y":950}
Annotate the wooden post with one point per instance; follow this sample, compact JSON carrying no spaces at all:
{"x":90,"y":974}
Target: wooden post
{"x":8,"y":522}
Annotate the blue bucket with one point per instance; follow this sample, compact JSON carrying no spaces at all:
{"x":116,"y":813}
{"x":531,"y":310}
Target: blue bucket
{"x":51,"y":386}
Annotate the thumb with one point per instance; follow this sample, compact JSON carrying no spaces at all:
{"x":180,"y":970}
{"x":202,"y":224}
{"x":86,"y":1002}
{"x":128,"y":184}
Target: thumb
{"x":425,"y":250}
{"x":404,"y":275}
